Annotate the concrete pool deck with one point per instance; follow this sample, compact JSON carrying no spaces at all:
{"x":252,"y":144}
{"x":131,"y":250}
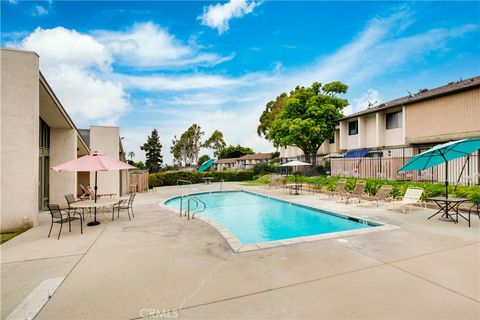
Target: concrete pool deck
{"x":161,"y":263}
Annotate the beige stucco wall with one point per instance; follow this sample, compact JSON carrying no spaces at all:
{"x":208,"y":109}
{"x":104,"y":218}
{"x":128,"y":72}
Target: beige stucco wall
{"x":124,"y":182}
{"x":451,"y":117}
{"x":19,"y":120}
{"x":106,"y":140}
{"x":370,"y":131}
{"x":63,"y":148}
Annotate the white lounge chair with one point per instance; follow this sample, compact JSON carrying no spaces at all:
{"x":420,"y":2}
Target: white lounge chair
{"x":412,"y":196}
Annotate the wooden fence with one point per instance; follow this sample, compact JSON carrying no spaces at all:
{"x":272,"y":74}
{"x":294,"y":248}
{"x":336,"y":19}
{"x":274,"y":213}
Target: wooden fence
{"x":138,"y":181}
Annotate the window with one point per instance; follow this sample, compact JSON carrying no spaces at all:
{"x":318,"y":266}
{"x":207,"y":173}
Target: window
{"x":394,"y":120}
{"x":332,"y":139}
{"x":353,"y":128}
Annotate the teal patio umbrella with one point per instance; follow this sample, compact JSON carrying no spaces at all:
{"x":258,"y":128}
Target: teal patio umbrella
{"x":207,"y":164}
{"x":442,"y":153}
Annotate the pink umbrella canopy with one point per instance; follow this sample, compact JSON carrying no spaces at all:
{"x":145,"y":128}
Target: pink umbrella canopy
{"x":94,"y":161}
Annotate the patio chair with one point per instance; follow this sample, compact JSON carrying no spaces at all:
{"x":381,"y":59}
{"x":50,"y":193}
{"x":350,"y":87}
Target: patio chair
{"x":127,"y":205}
{"x":71,"y":199}
{"x":85,"y":195}
{"x":358,"y":191}
{"x":62,"y":217}
{"x":382,"y":195}
{"x":412,"y":196}
{"x":339,"y":190}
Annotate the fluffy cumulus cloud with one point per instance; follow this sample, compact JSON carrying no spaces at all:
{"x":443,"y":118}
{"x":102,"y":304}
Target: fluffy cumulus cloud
{"x":79,"y":69}
{"x":61,"y":46}
{"x":147,"y":45}
{"x":218,"y":16}
{"x":368,"y":99}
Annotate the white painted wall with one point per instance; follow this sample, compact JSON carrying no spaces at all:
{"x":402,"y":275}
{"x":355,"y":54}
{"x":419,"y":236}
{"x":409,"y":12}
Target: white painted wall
{"x":370,"y":131}
{"x":19,"y":121}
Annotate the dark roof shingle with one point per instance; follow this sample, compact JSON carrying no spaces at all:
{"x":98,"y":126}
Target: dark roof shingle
{"x":422,"y":95}
{"x":256,"y":156}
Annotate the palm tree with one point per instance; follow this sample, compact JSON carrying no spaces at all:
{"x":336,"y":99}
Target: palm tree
{"x":131,"y":154}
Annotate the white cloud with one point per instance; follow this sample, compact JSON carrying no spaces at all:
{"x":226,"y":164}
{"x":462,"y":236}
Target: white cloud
{"x":366,"y":100}
{"x":146,"y":45}
{"x":39,"y":11}
{"x":87,"y":97}
{"x":78,"y":68}
{"x":218,"y":16}
{"x":63,"y":46}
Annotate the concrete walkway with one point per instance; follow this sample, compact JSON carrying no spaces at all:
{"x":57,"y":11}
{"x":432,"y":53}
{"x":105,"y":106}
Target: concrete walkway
{"x":161,"y":263}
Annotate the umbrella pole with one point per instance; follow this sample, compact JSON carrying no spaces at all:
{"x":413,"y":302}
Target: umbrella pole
{"x":446,"y":181}
{"x":95,"y":222}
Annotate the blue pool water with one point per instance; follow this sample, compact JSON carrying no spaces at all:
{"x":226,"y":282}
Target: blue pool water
{"x":254,"y":218}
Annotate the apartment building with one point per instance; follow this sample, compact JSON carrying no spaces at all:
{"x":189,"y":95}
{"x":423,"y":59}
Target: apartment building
{"x":377,"y":141}
{"x":227,"y":164}
{"x":245,"y":162}
{"x":37,"y":134}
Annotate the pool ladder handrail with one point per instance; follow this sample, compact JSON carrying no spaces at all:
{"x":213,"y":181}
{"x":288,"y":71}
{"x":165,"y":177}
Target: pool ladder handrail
{"x":195,"y":200}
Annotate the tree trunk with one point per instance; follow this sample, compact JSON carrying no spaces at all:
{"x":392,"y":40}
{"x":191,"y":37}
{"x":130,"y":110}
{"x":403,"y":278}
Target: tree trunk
{"x":307,"y":156}
{"x":313,"y":157}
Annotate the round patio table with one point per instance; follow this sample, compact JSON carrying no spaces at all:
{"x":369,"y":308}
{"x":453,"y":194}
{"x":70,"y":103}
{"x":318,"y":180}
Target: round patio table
{"x":89,"y":204}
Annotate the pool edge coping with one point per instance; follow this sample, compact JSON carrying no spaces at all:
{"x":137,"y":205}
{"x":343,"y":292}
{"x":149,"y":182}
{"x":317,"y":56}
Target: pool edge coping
{"x":239,"y":247}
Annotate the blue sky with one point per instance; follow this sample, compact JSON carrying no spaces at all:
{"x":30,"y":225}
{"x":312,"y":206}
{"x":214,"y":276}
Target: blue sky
{"x":166,"y":65}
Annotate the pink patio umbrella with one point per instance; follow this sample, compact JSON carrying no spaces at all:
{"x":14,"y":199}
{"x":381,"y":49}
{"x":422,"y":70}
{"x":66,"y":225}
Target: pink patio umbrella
{"x":94,"y":161}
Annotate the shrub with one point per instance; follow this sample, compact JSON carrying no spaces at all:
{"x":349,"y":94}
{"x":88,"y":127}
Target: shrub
{"x":263,"y":168}
{"x":170,"y":178}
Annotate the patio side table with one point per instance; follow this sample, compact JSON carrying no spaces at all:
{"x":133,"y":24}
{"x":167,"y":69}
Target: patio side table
{"x":447,"y":204}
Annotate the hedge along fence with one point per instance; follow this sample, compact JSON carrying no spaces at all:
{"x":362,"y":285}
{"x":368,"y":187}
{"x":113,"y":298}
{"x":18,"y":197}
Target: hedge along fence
{"x":399,"y":187}
{"x":170,"y":178}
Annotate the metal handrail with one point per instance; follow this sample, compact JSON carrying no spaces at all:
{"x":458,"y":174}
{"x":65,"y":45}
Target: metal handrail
{"x":183,"y":181}
{"x":197,"y":202}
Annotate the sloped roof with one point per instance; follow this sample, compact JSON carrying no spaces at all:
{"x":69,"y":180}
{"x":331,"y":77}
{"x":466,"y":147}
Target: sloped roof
{"x":226,"y":160}
{"x":424,"y":94}
{"x":256,"y":156}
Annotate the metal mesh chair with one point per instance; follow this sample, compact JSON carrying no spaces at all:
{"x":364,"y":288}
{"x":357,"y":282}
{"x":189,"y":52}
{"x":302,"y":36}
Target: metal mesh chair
{"x":71,"y":199}
{"x":58,"y":216}
{"x":127,"y":205}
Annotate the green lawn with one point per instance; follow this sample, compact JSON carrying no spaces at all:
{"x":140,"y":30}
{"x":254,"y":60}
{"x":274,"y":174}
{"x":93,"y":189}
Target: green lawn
{"x":7,"y":236}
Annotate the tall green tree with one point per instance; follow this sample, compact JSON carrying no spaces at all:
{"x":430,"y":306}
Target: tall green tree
{"x":153,"y":152}
{"x":308,"y":117}
{"x":187,"y":148}
{"x":272,"y":109}
{"x":234,"y":152}
{"x":177,"y":151}
{"x":215,"y":142}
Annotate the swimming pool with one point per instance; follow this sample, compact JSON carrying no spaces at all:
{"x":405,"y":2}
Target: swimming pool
{"x":254,"y":218}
